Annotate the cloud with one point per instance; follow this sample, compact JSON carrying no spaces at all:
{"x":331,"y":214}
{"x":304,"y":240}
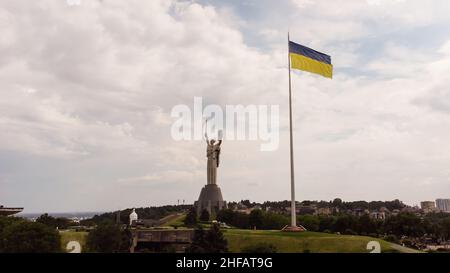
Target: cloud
{"x":86,"y":93}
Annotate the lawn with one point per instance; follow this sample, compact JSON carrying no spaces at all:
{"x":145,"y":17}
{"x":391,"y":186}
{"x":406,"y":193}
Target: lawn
{"x":176,"y":221}
{"x":284,"y":242}
{"x":70,"y":235}
{"x":314,"y":242}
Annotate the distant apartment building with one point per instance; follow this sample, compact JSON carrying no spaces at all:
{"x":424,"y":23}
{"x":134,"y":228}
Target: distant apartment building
{"x":323,"y":211}
{"x":443,"y":205}
{"x":378,"y":215}
{"x":428,"y":206}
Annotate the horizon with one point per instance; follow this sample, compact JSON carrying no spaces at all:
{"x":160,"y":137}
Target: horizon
{"x":252,"y":201}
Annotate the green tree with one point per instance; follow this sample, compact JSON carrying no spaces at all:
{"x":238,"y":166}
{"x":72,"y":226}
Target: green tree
{"x":4,"y":223}
{"x":211,"y":241}
{"x":46,"y":220}
{"x":107,"y":238}
{"x":60,"y":222}
{"x":216,"y":241}
{"x":226,"y":216}
{"x":241,"y":220}
{"x":191,"y":218}
{"x":326,"y":223}
{"x":366,"y":224}
{"x":7,"y":221}
{"x":30,"y":237}
{"x":407,"y":224}
{"x":204,"y":216}
{"x":337,"y":202}
{"x":344,"y":223}
{"x":310,"y":222}
{"x":445,"y":228}
{"x":256,"y":219}
{"x":198,"y":241}
{"x":274,"y":221}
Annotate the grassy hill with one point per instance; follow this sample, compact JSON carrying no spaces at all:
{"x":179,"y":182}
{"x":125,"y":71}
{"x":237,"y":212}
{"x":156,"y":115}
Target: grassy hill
{"x":69,"y":235}
{"x":314,"y":242}
{"x":285,"y":242}
{"x":174,"y":220}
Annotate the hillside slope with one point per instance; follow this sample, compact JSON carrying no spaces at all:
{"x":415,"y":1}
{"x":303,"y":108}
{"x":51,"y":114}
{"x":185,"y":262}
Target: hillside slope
{"x":314,"y":242}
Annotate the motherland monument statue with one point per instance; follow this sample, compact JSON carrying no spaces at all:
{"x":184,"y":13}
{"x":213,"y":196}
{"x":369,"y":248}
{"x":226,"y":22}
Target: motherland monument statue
{"x":213,"y":155}
{"x":211,"y":196}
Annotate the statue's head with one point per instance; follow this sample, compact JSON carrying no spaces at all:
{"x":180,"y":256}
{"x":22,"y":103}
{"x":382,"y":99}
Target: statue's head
{"x":213,"y":141}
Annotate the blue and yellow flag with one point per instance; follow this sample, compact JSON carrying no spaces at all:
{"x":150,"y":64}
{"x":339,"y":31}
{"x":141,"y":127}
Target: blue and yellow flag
{"x":307,"y":59}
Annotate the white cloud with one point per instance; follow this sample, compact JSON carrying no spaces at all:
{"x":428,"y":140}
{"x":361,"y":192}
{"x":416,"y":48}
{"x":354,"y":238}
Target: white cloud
{"x":86,"y":91}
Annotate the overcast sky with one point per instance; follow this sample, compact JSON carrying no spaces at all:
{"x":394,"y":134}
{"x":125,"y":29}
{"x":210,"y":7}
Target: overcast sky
{"x":86,"y":93}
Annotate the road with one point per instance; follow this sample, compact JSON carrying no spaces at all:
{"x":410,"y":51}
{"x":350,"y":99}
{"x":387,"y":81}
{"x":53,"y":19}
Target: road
{"x":403,"y":249}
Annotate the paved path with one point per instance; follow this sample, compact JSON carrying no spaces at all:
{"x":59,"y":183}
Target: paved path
{"x":169,"y":218}
{"x":403,"y":249}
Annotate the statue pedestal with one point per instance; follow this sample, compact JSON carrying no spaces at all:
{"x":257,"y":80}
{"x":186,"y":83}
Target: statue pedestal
{"x":294,"y":229}
{"x":210,"y":199}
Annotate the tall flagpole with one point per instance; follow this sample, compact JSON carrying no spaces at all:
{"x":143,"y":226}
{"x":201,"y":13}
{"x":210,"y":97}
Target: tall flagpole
{"x":293,"y":212}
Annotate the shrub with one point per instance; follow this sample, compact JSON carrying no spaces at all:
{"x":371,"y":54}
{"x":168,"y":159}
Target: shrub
{"x":211,"y":241}
{"x":191,"y":218}
{"x":349,"y":232}
{"x":204,"y":216}
{"x":30,"y":237}
{"x":391,"y":238}
{"x":108,"y":238}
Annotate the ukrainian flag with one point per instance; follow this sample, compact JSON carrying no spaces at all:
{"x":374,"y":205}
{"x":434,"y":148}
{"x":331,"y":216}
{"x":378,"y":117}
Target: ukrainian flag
{"x":307,"y":59}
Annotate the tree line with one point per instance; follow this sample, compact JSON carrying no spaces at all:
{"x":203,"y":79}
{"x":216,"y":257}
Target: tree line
{"x":18,"y":235}
{"x":435,"y":225}
{"x":336,"y":203}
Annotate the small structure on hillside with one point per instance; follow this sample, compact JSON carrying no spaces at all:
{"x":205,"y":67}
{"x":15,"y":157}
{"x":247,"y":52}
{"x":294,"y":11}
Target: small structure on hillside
{"x":133,"y":217}
{"x":4,"y":211}
{"x":159,"y":240}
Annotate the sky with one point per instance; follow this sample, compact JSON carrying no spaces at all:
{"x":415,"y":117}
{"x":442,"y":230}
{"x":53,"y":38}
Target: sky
{"x":86,"y":92}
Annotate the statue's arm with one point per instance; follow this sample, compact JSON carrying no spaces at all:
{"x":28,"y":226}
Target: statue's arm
{"x":220,"y":142}
{"x":206,"y":138}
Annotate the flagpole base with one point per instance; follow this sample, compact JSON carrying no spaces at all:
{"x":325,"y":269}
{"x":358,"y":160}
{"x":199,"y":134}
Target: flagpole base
{"x":294,"y":229}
